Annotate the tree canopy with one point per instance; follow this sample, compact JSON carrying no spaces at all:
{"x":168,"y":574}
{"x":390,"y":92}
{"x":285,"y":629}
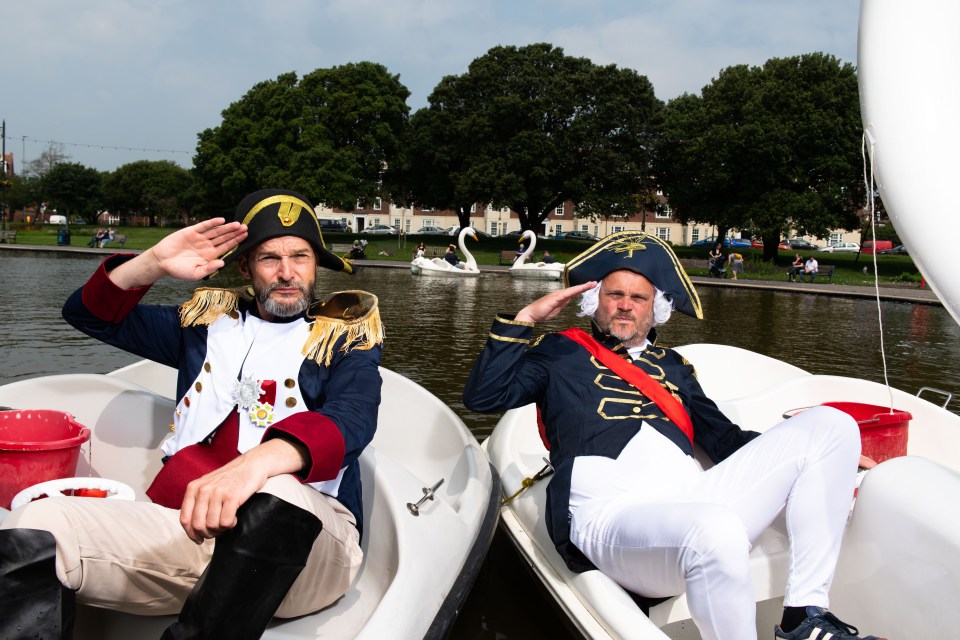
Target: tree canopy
{"x":531,"y":128}
{"x":769,"y":148}
{"x":331,"y":135}
{"x":72,"y":188}
{"x":158,"y":188}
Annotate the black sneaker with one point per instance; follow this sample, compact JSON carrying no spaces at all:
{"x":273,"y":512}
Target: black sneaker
{"x":822,"y":625}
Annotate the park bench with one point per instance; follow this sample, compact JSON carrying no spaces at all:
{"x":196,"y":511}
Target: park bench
{"x":341,"y":249}
{"x":120,"y":239}
{"x":509,"y":255}
{"x":432,"y":252}
{"x":823,"y":271}
{"x":10,"y":236}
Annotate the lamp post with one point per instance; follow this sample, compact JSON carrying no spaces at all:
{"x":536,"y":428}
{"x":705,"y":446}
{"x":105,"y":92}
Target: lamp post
{"x":3,"y":180}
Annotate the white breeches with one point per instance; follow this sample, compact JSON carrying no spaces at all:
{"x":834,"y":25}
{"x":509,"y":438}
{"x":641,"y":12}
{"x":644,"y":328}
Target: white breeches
{"x":659,"y":526}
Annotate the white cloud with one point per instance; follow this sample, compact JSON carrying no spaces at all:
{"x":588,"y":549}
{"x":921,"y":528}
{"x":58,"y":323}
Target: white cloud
{"x":152,"y":74}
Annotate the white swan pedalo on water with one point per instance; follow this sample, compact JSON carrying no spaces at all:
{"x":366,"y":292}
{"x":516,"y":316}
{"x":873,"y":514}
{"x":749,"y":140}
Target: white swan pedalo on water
{"x":422,"y":266}
{"x":538,"y":270}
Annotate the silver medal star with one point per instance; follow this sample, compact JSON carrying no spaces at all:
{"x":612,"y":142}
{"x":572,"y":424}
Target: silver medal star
{"x":246,"y":392}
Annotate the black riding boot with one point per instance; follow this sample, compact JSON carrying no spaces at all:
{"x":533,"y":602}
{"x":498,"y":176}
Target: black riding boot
{"x":252,"y":568}
{"x":34,"y":603}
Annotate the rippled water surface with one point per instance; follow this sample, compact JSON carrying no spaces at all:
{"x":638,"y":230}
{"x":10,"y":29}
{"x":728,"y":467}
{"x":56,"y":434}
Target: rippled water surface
{"x":436,"y":326}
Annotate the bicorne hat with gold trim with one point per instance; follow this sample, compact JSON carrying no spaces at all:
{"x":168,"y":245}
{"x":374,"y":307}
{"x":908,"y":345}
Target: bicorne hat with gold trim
{"x":641,"y":253}
{"x":272,"y":213}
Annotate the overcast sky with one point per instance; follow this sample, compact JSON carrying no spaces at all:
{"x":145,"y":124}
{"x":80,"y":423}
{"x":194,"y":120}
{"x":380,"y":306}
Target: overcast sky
{"x":117,"y":81}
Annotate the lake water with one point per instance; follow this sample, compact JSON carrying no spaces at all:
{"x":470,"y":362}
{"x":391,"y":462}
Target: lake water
{"x":436,"y":326}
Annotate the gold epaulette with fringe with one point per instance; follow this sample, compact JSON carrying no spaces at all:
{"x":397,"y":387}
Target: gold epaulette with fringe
{"x":209,"y":303}
{"x":353,"y":314}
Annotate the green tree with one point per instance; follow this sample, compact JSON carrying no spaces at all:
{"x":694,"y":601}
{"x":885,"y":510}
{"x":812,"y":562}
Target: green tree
{"x":769,"y":148}
{"x":531,"y":128}
{"x":24,"y":191}
{"x":332,"y":135}
{"x":73,"y":189}
{"x":155,"y":188}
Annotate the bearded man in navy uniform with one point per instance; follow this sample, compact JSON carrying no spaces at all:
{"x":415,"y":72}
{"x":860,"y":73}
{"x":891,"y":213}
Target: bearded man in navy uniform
{"x":257,"y":509}
{"x":621,"y":415}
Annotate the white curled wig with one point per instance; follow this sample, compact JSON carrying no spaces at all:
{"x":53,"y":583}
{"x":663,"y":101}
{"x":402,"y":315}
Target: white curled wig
{"x":662,"y":307}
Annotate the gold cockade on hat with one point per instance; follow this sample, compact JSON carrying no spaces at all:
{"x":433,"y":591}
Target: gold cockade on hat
{"x":627,"y":245}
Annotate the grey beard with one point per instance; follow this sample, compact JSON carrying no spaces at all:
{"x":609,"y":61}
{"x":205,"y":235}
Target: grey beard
{"x":282,"y":309}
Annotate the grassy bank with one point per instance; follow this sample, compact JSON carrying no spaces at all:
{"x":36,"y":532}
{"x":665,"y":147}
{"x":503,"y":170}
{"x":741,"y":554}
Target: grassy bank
{"x":893,"y":269}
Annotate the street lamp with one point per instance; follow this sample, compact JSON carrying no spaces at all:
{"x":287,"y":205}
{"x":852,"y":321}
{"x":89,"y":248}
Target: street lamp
{"x":3,"y":181}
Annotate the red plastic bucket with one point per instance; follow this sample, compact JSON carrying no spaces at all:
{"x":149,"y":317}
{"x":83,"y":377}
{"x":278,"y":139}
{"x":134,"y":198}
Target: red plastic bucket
{"x":37,"y":445}
{"x":883,"y":434}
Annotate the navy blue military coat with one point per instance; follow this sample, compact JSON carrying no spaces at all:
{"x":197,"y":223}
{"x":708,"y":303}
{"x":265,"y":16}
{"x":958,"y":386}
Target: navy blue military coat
{"x":588,"y":410}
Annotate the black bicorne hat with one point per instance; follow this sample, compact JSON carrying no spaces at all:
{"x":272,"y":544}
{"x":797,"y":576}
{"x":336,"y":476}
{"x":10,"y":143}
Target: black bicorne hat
{"x":641,"y":253}
{"x":272,"y":213}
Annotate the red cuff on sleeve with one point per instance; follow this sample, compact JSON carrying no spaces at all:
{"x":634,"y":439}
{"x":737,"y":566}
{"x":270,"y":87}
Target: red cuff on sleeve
{"x":320,"y":435}
{"x":104,"y":299}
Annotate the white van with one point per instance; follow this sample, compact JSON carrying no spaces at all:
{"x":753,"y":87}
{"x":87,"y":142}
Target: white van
{"x":58,"y":219}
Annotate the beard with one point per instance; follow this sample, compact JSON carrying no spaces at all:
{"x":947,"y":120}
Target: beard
{"x":631,"y":335}
{"x":284,"y":308}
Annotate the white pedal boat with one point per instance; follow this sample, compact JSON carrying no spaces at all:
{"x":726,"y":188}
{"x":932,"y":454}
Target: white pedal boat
{"x":424,"y":266}
{"x":534,"y":270}
{"x":417,"y":570}
{"x":900,"y":558}
{"x":897,"y":575}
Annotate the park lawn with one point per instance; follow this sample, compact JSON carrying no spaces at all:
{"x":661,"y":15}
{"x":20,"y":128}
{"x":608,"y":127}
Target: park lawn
{"x":893,"y":269}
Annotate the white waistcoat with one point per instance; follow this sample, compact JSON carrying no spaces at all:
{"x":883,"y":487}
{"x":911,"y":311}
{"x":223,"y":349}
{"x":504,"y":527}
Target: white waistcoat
{"x":244,"y":347}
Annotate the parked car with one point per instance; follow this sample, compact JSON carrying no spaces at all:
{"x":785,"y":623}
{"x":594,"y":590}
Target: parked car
{"x":456,"y":231}
{"x":799,"y":244}
{"x":842,"y":247}
{"x":428,"y":230}
{"x":381,"y":229}
{"x":333,"y":226}
{"x":869,"y":246}
{"x":898,"y":250}
{"x":738,"y":243}
{"x":579,"y":235}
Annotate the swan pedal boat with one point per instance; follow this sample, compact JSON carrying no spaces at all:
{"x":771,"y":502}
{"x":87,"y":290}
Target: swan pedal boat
{"x":423,"y":266}
{"x":417,"y":570}
{"x":534,"y":270}
{"x":898,"y":567}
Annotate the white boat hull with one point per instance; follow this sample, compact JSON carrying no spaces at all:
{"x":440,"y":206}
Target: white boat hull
{"x":416,"y":569}
{"x":600,"y":608}
{"x":535,"y":272}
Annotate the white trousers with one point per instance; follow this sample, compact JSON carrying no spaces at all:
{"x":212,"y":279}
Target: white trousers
{"x":665,"y":530}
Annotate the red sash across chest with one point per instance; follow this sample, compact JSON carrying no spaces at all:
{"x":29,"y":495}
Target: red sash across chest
{"x":634,"y":375}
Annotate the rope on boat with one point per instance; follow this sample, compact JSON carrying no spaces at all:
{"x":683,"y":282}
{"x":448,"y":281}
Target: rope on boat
{"x":870,"y":139}
{"x":526,"y":483}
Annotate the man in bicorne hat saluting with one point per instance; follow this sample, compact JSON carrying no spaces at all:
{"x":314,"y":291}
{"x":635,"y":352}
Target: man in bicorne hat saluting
{"x":256,"y":510}
{"x":620,"y":416}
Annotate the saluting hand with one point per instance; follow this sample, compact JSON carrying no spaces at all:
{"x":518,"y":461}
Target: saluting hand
{"x":191,"y":253}
{"x":550,"y":305}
